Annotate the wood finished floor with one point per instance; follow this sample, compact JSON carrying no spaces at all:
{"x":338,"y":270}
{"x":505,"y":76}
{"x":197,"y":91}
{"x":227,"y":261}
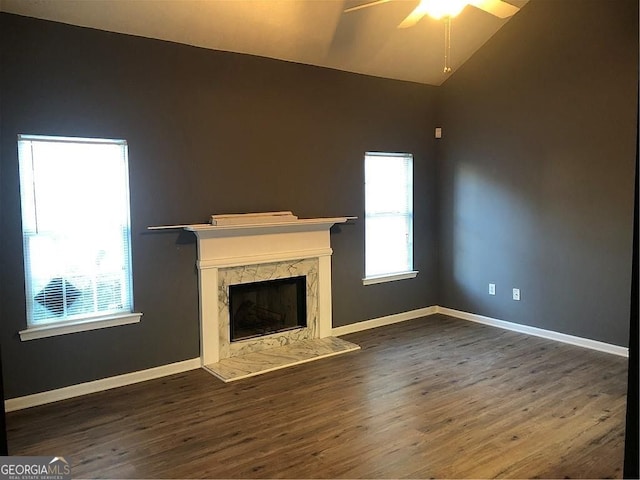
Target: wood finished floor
{"x":429,"y":398}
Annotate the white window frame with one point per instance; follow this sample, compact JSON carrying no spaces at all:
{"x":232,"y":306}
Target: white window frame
{"x":407,"y":214}
{"x":68,"y":323}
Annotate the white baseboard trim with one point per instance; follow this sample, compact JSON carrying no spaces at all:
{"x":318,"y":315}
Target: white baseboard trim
{"x":19,"y":403}
{"x":472,"y":317}
{"x":537,"y":332}
{"x":71,"y":391}
{"x":382,"y":321}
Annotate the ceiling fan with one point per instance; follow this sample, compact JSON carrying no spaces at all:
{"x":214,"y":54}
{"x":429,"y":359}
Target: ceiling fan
{"x":438,"y":9}
{"x":445,"y":9}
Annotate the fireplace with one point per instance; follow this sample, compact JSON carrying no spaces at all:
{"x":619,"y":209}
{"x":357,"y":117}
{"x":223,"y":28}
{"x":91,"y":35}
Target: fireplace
{"x":263,"y":308}
{"x":235,"y":277}
{"x":242,"y":331}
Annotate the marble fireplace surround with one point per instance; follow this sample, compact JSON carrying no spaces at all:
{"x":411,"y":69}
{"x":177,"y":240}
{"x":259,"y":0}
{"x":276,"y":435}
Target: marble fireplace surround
{"x":256,"y":273}
{"x":254,"y":247}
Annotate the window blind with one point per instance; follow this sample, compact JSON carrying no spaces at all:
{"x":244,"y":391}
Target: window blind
{"x":388,"y":213}
{"x":76,"y":228}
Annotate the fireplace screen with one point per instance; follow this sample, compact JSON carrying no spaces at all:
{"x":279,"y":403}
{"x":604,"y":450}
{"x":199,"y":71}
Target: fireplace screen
{"x":271,"y":306}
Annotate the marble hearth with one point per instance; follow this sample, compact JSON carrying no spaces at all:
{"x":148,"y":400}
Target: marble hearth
{"x":246,"y":248}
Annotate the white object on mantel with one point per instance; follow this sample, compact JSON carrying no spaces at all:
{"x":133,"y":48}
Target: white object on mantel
{"x":252,"y":218}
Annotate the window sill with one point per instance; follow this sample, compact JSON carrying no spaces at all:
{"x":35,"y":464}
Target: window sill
{"x":73,"y":326}
{"x":389,"y":277}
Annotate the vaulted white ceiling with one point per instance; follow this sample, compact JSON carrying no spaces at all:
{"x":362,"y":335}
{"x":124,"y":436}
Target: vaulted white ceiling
{"x":314,"y":32}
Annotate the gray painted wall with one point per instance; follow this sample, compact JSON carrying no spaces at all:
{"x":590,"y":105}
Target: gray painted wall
{"x":208,"y":132}
{"x":536,"y":170}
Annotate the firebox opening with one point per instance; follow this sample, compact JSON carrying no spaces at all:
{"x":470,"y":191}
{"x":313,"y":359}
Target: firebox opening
{"x":263,"y":308}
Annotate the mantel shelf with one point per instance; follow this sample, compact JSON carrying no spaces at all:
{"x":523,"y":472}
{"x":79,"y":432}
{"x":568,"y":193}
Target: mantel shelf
{"x":206,"y":230}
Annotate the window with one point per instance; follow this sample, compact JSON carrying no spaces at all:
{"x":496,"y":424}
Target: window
{"x":76,"y":234}
{"x":388,"y":217}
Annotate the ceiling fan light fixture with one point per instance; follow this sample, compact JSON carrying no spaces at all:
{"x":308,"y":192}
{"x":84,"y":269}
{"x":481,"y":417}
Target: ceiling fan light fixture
{"x":438,"y":9}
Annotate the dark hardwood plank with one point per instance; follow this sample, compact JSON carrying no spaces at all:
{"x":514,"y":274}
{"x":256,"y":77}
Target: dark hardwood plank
{"x":434,"y":397}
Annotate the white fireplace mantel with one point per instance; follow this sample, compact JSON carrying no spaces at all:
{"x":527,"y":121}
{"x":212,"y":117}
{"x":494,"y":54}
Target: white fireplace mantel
{"x":297,"y":225}
{"x":245,"y":242}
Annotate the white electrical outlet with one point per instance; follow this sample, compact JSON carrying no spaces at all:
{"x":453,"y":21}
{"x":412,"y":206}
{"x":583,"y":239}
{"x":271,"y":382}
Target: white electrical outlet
{"x":492,"y":289}
{"x":516,"y":294}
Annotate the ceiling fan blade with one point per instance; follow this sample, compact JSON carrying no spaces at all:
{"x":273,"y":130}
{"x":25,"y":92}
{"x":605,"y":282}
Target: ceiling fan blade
{"x":496,"y":7}
{"x":414,"y":17}
{"x":365,"y":5}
